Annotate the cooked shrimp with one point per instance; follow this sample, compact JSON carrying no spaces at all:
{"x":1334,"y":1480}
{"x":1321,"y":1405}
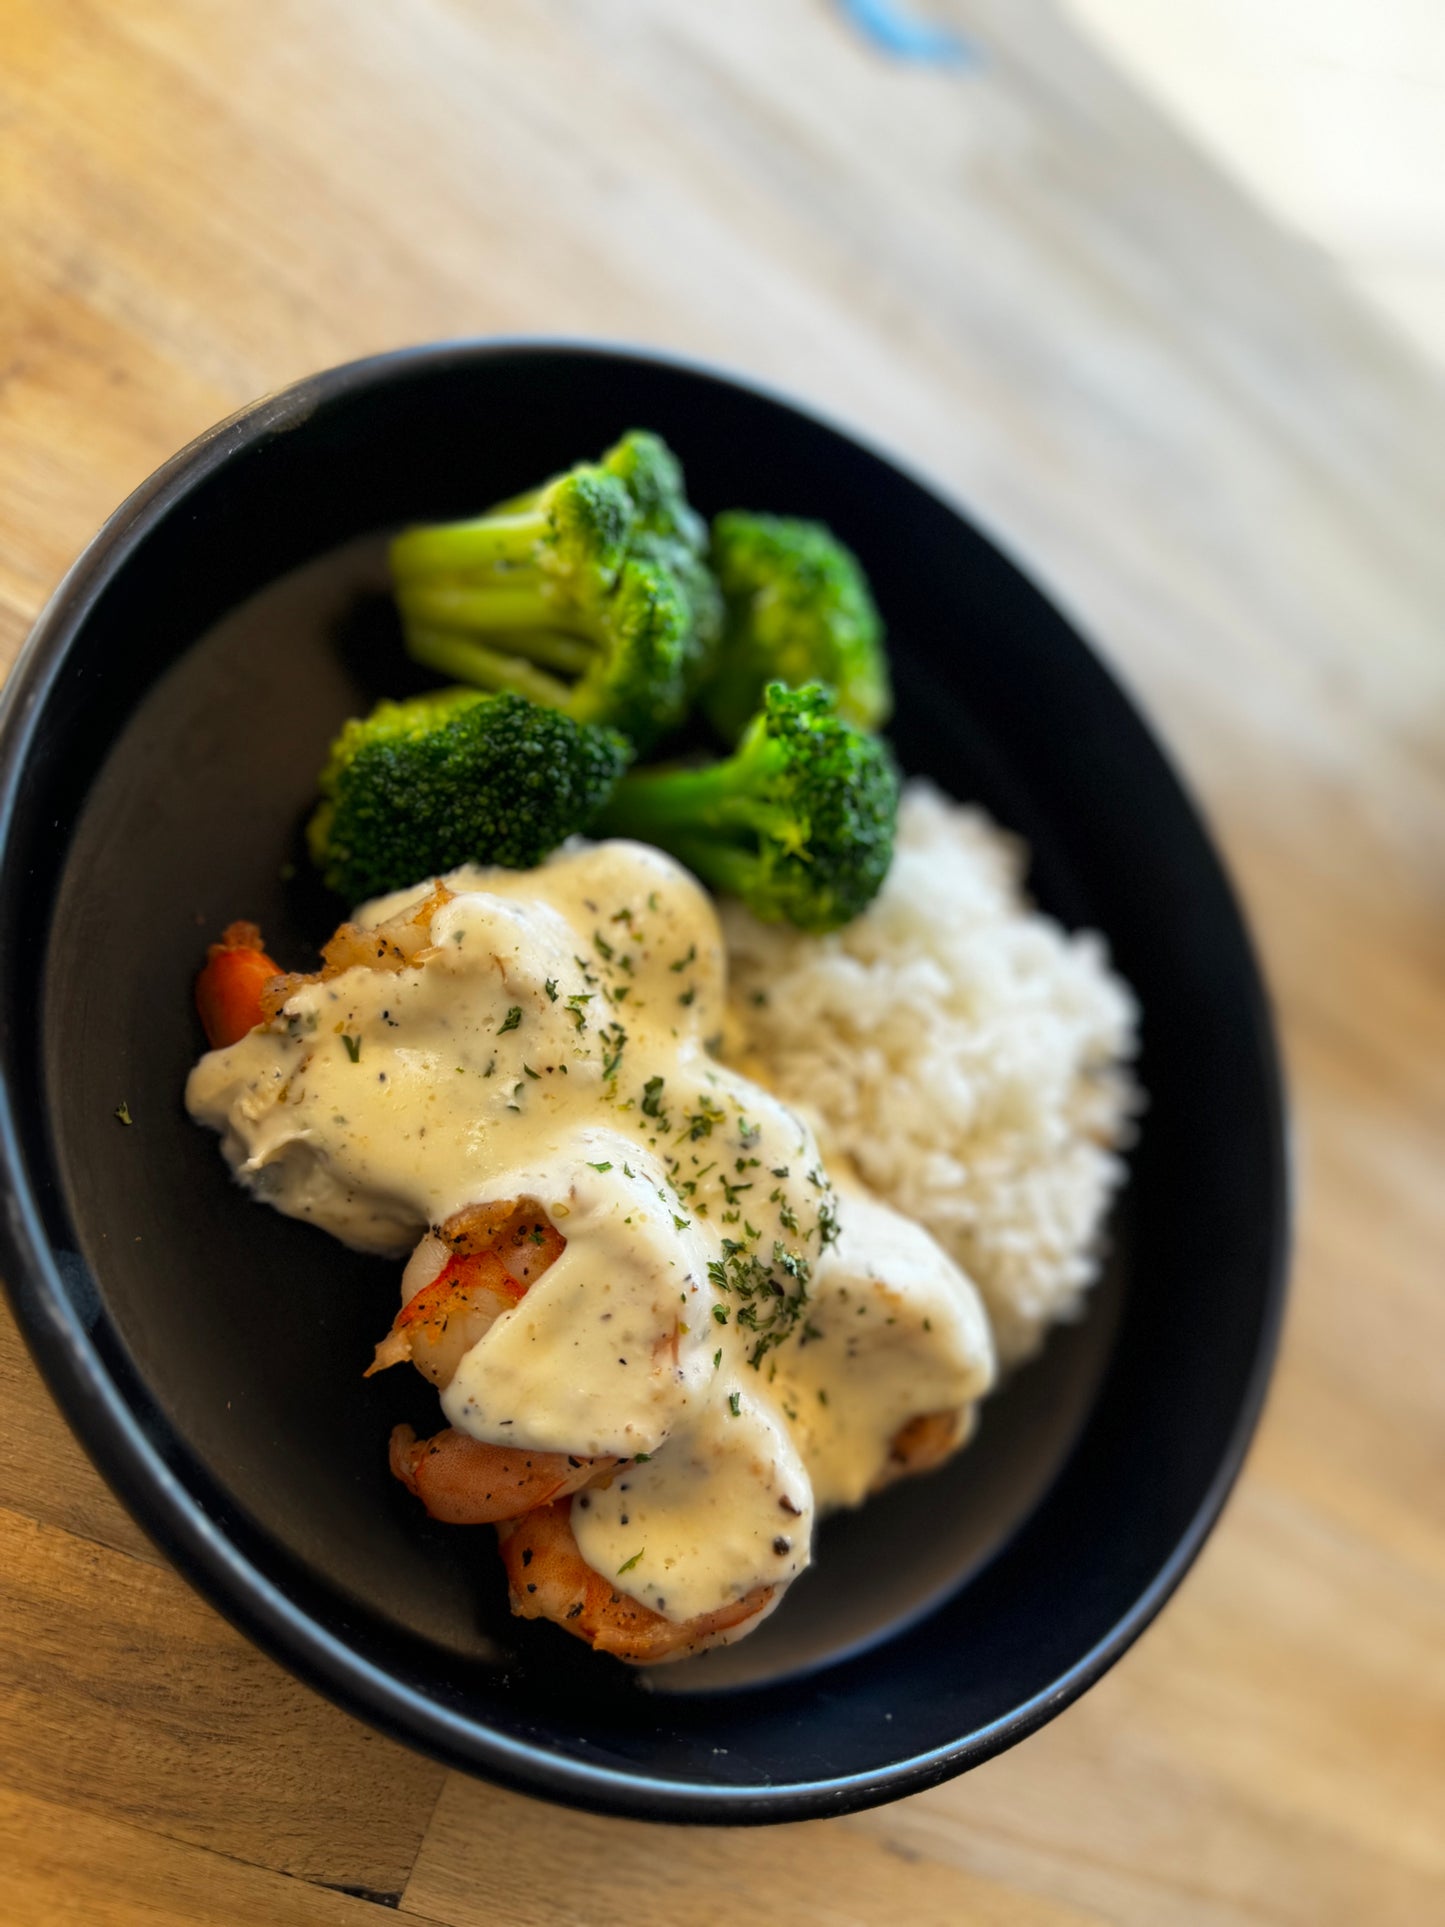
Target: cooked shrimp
{"x":397,"y":945}
{"x":459,"y":1281}
{"x":461,"y":1278}
{"x":923,"y":1443}
{"x":240,"y":987}
{"x":230,"y":991}
{"x":517,"y":1229}
{"x":437,"y":1327}
{"x":549,"y":1579}
{"x":465,"y":1482}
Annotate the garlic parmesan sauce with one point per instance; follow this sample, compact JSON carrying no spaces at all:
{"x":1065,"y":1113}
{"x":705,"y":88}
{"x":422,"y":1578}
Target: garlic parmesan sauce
{"x":750,"y":1338}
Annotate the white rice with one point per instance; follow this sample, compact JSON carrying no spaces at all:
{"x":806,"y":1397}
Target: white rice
{"x":964,"y":1051}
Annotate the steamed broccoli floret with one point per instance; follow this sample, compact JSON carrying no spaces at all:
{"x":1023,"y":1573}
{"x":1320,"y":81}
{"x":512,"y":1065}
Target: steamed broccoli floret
{"x":452,"y":777}
{"x":590,"y":594}
{"x":798,"y":609}
{"x":798,"y":821}
{"x":669,"y":529}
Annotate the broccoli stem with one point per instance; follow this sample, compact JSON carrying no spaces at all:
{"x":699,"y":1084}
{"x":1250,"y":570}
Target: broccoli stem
{"x":548,"y":648}
{"x":710,"y":806}
{"x":472,"y":662}
{"x":722,"y":866}
{"x":488,"y":542}
{"x":561,"y":638}
{"x":654,"y":798}
{"x":518,"y":504}
{"x":720,"y":845}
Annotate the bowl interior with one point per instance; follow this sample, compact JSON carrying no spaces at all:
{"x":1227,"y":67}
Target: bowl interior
{"x":179,"y":744}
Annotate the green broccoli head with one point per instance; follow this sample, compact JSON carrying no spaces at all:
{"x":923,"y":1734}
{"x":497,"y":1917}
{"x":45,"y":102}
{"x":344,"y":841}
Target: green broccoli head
{"x":798,"y":821}
{"x":590,"y":594}
{"x":649,"y":626}
{"x":798,"y":609}
{"x":670,"y":532}
{"x":589,"y":520}
{"x":651,"y":474}
{"x":452,"y":777}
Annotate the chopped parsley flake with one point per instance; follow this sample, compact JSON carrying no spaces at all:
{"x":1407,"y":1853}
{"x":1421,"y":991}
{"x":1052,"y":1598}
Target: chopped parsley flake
{"x":701,"y":1122}
{"x":612,"y":1049}
{"x":627,"y":1567}
{"x":735,"y":1404}
{"x":511,"y":1020}
{"x":353,"y":1046}
{"x":605,"y":1165}
{"x":773,"y":1296}
{"x":551,"y":989}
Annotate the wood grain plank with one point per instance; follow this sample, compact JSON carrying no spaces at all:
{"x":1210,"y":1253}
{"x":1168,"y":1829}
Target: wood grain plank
{"x":494,"y":1857}
{"x":122,"y":1694}
{"x":63,"y":1868}
{"x":44,"y":1473}
{"x":15,"y":620}
{"x":1257,"y":1758}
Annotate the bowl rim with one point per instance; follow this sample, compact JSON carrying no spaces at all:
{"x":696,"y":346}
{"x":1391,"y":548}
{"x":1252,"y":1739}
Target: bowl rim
{"x":97,"y":1410}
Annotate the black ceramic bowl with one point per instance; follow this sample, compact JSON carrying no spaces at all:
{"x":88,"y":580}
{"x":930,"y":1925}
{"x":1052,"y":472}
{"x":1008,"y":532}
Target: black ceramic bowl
{"x":160,"y":741}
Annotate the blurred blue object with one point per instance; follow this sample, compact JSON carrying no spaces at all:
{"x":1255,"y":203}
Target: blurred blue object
{"x":892,"y":28}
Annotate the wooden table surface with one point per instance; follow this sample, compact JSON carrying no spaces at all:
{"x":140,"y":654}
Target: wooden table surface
{"x":1018,"y":277}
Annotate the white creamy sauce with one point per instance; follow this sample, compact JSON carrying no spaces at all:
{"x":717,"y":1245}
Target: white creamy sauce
{"x":595,"y":1359}
{"x":894,"y":1330}
{"x":551,"y":1040}
{"x":725,"y":1508}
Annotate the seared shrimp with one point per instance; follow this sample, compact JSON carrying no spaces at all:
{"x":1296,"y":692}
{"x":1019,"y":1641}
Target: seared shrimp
{"x":549,"y":1579}
{"x":461,"y":1278}
{"x":923,"y":1443}
{"x":439,"y":1324}
{"x":465,"y":1482}
{"x":231,"y":988}
{"x":240,"y":987}
{"x":405,"y":942}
